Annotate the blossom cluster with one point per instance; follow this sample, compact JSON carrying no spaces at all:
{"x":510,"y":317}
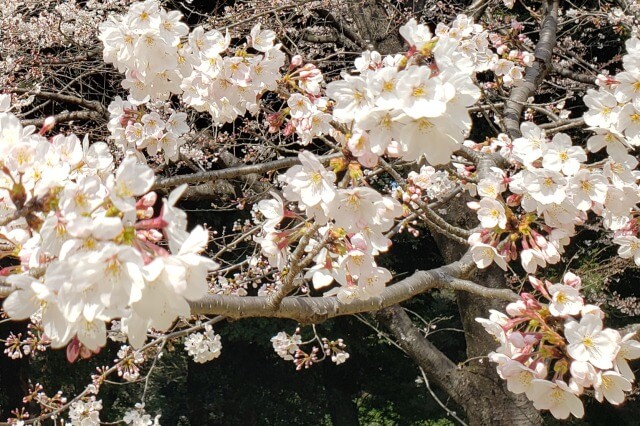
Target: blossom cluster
{"x":128,"y":363}
{"x":160,"y":130}
{"x":85,"y":413}
{"x":614,"y":115}
{"x":552,"y":189}
{"x":351,"y":224}
{"x":308,"y":117}
{"x":392,"y":105}
{"x":414,"y":104}
{"x":89,"y":240}
{"x":554,"y":351}
{"x":145,"y":44}
{"x":34,"y":342}
{"x":286,"y":346}
{"x":509,"y":64}
{"x":435,"y":184}
{"x":335,"y":349}
{"x":139,"y":417}
{"x":203,"y":347}
{"x":160,"y":56}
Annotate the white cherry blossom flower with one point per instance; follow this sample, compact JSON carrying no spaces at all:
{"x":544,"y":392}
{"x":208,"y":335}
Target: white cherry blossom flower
{"x":561,"y":156}
{"x":556,"y":397}
{"x":629,"y":247}
{"x":587,"y":341}
{"x":273,"y":210}
{"x":484,"y":255}
{"x":262,"y":40}
{"x":629,"y":350}
{"x":565,"y":300}
{"x":491,"y":214}
{"x":309,"y":183}
{"x":612,"y":386}
{"x":131,"y":179}
{"x":603,"y":109}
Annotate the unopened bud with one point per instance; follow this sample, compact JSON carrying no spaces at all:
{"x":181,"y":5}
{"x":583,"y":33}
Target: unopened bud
{"x":296,"y":61}
{"x":48,"y":124}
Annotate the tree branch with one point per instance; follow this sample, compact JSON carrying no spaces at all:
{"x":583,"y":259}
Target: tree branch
{"x":65,"y":117}
{"x":70,"y":99}
{"x":318,"y":309}
{"x":535,"y":73}
{"x":234,"y":172}
{"x":581,"y":78}
{"x":438,"y":367}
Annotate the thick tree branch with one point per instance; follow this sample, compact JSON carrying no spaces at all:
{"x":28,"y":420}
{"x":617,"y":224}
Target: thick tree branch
{"x":311,"y":310}
{"x":581,"y":78}
{"x":535,"y":73}
{"x":317,"y":309}
{"x":65,"y":117}
{"x":234,"y":172}
{"x":438,"y":367}
{"x":70,"y":99}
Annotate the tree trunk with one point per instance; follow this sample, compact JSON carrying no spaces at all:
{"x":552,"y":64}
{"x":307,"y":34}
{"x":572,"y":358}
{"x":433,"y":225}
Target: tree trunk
{"x":487,"y":400}
{"x":476,"y":387}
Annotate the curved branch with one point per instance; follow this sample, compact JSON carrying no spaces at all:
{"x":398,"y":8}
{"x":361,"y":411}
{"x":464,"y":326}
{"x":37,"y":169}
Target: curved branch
{"x":317,"y":309}
{"x":70,"y":99}
{"x":234,"y":172}
{"x":562,"y":125}
{"x":535,"y":73}
{"x":440,"y":369}
{"x":581,"y":78}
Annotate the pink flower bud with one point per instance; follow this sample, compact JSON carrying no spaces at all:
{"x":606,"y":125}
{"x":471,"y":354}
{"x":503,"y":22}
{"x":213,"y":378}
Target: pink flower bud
{"x":48,"y":124}
{"x":513,"y":200}
{"x":540,"y":240}
{"x":516,"y":309}
{"x":572,"y":280}
{"x":532,"y":338}
{"x":149,"y":200}
{"x":289,"y":129}
{"x":530,"y":301}
{"x":296,"y":61}
{"x":368,"y":159}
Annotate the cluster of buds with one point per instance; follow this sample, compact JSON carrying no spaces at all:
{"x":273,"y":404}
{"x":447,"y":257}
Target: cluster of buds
{"x":36,"y":341}
{"x":306,"y":360}
{"x":335,"y":349}
{"x":128,"y":362}
{"x":552,"y":352}
{"x":38,"y":396}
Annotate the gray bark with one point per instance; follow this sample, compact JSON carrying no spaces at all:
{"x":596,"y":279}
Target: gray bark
{"x":477,"y":387}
